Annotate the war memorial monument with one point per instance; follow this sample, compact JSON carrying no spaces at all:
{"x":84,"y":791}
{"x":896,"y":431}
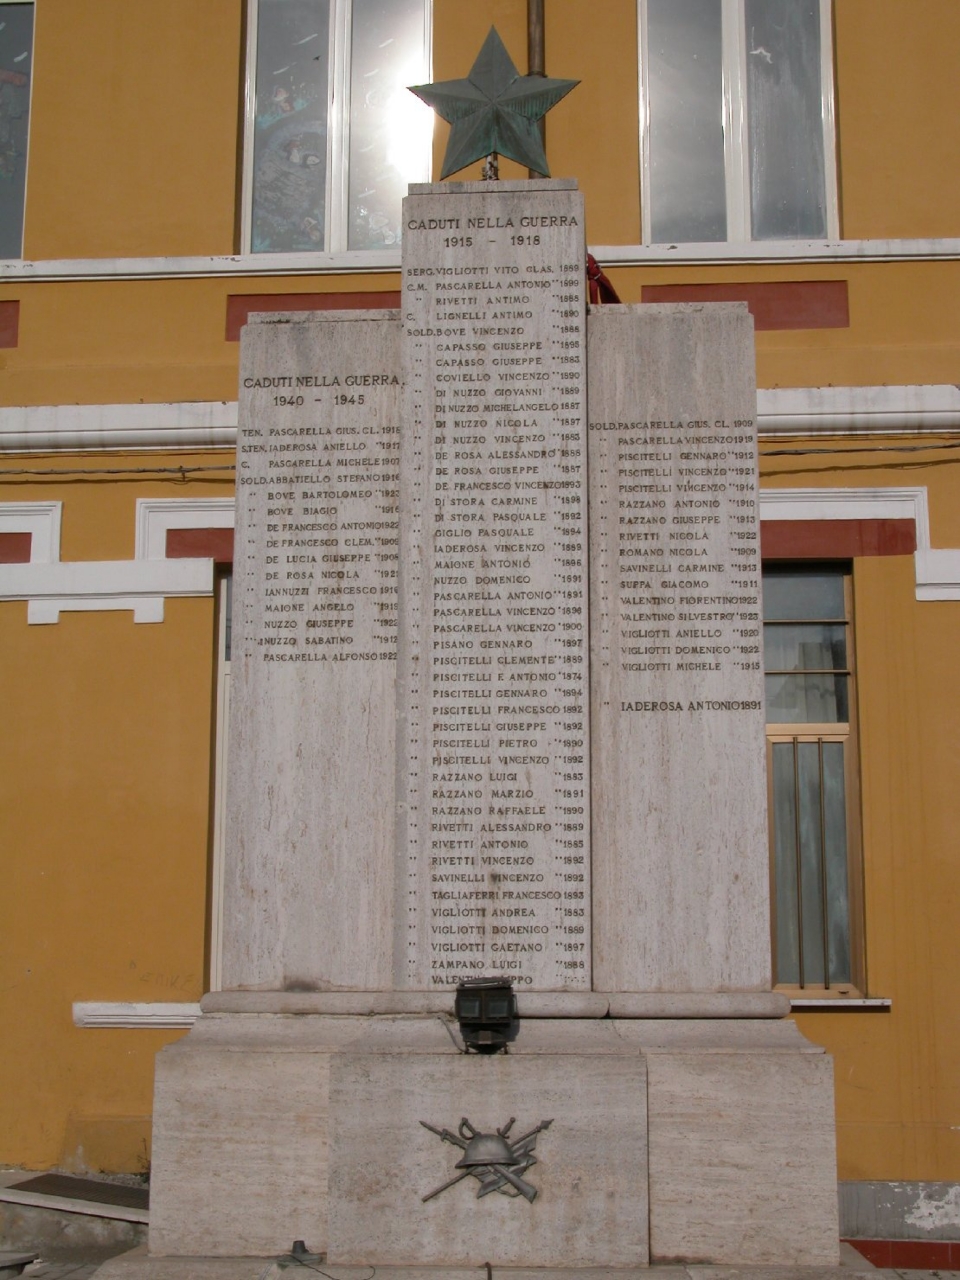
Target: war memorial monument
{"x":497,"y":711}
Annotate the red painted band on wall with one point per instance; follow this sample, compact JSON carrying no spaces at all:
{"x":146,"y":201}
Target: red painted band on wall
{"x":916,"y":1255}
{"x":774,"y":304}
{"x":779,"y":540}
{"x":9,"y":323}
{"x":15,"y":548}
{"x":836,"y":539}
{"x":241,"y":305}
{"x":203,"y":544}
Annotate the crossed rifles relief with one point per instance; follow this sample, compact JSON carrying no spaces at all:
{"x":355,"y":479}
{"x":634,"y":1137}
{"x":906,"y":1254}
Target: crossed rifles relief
{"x":496,"y":1163}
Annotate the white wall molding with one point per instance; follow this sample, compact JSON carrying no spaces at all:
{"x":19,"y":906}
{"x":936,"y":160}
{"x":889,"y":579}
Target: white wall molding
{"x":938,"y":575}
{"x":774,"y":251}
{"x":101,"y":585}
{"x":157,"y":516}
{"x":186,"y":424}
{"x":937,"y":572}
{"x":142,"y":584}
{"x":254,"y":265}
{"x":51,"y":586}
{"x":906,"y":410}
{"x":251,"y":265}
{"x":154,"y":1015}
{"x":41,"y":520}
{"x":781,"y":411}
{"x":850,"y":504}
{"x":841,"y":1004}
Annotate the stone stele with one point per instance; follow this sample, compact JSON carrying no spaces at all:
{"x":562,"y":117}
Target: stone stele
{"x":563,"y":783}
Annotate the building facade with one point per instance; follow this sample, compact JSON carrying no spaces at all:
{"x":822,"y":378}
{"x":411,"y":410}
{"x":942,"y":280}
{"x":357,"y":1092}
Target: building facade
{"x":199,"y":162}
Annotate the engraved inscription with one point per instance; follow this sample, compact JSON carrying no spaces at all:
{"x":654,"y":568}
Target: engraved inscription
{"x":320,"y":538}
{"x":683,"y":558}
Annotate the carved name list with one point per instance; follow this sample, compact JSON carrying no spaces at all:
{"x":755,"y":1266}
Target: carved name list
{"x":493,"y":742}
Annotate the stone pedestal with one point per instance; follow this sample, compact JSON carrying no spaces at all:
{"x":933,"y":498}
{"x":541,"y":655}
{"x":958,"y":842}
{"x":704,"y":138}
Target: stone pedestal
{"x":693,"y":1140}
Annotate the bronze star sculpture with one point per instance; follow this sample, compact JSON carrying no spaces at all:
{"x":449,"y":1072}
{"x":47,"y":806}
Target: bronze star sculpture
{"x":494,"y":110}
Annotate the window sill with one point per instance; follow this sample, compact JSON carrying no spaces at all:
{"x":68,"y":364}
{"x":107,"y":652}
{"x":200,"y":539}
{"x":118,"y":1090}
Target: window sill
{"x":839,"y":1004}
{"x":763,"y":251}
{"x":201,"y":267}
{"x":360,"y":262}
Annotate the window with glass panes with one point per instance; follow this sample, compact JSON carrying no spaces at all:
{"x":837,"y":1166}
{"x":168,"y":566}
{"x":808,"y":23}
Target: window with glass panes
{"x":736,"y":112}
{"x":333,"y":136}
{"x":810,"y":696}
{"x":16,"y":71}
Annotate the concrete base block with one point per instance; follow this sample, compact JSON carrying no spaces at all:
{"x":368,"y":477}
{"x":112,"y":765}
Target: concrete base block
{"x":57,"y":1231}
{"x":900,"y":1210}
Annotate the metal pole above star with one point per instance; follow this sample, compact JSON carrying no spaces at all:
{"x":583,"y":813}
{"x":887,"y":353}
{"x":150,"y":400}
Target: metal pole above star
{"x":495,"y":110}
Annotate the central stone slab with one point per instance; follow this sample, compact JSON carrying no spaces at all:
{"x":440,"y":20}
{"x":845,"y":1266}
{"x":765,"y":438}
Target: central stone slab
{"x":492,"y":669}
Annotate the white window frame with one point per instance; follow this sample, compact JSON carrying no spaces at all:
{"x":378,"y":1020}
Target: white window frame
{"x":221,"y":744}
{"x":33,"y":64}
{"x":735,"y":140}
{"x":338,"y":128}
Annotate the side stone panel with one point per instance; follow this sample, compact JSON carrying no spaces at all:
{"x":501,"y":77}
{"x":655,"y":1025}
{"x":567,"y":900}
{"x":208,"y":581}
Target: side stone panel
{"x":742,"y":1144}
{"x":240,"y":1136}
{"x":308,"y":882}
{"x":680,"y":875}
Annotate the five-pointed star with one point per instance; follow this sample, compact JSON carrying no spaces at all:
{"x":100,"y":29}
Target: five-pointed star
{"x":494,"y":109}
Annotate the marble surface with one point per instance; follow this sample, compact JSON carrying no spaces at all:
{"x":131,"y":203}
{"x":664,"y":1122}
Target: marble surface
{"x":698,"y":1004}
{"x":532,"y":1004}
{"x":136,"y":1266}
{"x":234,"y":1134}
{"x":742,"y":1156}
{"x":590,"y":1208}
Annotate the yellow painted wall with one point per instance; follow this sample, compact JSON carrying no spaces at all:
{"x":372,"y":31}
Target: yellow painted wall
{"x":898,"y":1072}
{"x":898,"y":126}
{"x":122,"y":342}
{"x":105,"y":762}
{"x":135,"y":114}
